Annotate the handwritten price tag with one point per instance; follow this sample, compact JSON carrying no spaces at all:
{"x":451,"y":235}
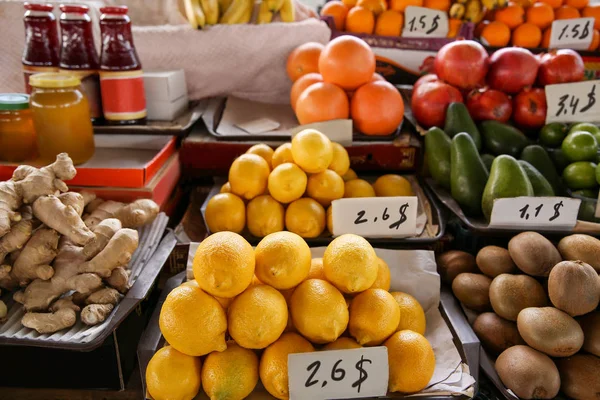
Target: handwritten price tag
{"x":375,"y":216}
{"x":424,"y":22}
{"x":548,"y":213}
{"x":339,"y":374}
{"x":573,"y":102}
{"x":572,"y":33}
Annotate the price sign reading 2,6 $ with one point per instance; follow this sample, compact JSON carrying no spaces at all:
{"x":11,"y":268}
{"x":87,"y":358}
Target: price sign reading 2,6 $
{"x":573,"y":102}
{"x":424,"y":22}
{"x":339,"y":374}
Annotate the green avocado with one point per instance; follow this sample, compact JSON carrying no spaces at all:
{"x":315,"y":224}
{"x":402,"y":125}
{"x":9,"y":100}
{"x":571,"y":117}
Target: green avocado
{"x":538,"y":157}
{"x":468,"y":174}
{"x":459,"y":120}
{"x":541,"y":186}
{"x":437,"y":148}
{"x":487,"y":159}
{"x":499,"y":138}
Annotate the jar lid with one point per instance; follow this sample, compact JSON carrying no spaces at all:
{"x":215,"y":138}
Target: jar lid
{"x":74,"y":8}
{"x":14,"y":101}
{"x":121,"y":10}
{"x":39,"y":7}
{"x":54,"y":80}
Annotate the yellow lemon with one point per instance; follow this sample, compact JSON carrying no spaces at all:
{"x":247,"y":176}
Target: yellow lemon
{"x":319,"y":311}
{"x":230,"y":374}
{"x":383,"y":276}
{"x":255,"y":281}
{"x":257,"y":317}
{"x":316,"y":269}
{"x":224,"y":264}
{"x":330,"y":219}
{"x":305,"y":217}
{"x":312,"y":151}
{"x":273,"y":368}
{"x":172,"y":375}
{"x":224,"y":301}
{"x":343,"y":343}
{"x":392,"y":185}
{"x":225,"y":212}
{"x":226,"y":188}
{"x":349,"y":175}
{"x":412,"y":316}
{"x":282,"y":260}
{"x":374,"y":316}
{"x":325,"y":187}
{"x":263,"y":151}
{"x":411,"y":360}
{"x":341,"y":161}
{"x":265,"y":215}
{"x":248,"y":176}
{"x":350,"y":263}
{"x":282,"y":155}
{"x":287,"y":183}
{"x":192,"y":321}
{"x":358,"y":188}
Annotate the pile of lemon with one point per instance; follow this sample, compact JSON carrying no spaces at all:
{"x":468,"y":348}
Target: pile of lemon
{"x":291,"y":187}
{"x":247,"y":309}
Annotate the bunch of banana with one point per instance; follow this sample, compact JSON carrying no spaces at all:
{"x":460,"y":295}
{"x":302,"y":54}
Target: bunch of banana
{"x":211,"y":12}
{"x":470,"y":10}
{"x":268,"y":8}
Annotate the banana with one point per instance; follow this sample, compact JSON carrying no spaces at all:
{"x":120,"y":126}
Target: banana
{"x":264,"y":14}
{"x":236,"y":12}
{"x":287,"y":11}
{"x":274,"y":5}
{"x":223,"y":6}
{"x":502,"y":3}
{"x":490,"y":4}
{"x":473,"y":11}
{"x":211,"y":11}
{"x":194,"y":13}
{"x":457,"y":11}
{"x":247,"y":17}
{"x":461,"y":1}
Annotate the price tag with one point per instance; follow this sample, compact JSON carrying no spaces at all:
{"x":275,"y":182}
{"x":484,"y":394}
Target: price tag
{"x":548,"y":213}
{"x":375,"y":216}
{"x":339,"y":130}
{"x":572,"y":33}
{"x":573,"y":102}
{"x":424,"y":22}
{"x":339,"y":374}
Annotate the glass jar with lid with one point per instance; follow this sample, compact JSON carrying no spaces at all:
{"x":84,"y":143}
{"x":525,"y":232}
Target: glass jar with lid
{"x":61,"y":117}
{"x":17,"y":136}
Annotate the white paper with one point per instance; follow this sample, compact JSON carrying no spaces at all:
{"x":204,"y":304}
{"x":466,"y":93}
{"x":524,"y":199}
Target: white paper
{"x":572,"y":33}
{"x":548,"y":213}
{"x":425,"y":22}
{"x":238,"y":111}
{"x":573,"y":102}
{"x":339,"y":130}
{"x":260,"y":125}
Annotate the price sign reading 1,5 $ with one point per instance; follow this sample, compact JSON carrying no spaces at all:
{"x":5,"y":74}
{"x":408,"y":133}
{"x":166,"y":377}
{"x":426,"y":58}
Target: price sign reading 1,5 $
{"x":572,"y":33}
{"x":339,"y":374}
{"x":573,"y":102}
{"x":424,"y":22}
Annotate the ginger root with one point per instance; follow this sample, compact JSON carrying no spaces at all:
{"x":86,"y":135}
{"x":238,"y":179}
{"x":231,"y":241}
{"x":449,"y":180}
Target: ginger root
{"x":117,"y":253}
{"x":63,"y":315}
{"x":105,"y":210}
{"x":119,"y":279}
{"x":16,"y":238}
{"x":103,"y":232}
{"x":32,"y":182}
{"x":10,"y":201}
{"x":133,"y":215}
{"x":35,"y":258}
{"x":95,"y":314}
{"x":104,"y":296}
{"x":65,"y":218}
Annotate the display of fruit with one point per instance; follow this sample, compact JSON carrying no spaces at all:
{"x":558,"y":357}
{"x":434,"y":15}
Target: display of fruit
{"x":524,"y":323}
{"x":292,"y":187}
{"x":277,"y":299}
{"x":203,"y":13}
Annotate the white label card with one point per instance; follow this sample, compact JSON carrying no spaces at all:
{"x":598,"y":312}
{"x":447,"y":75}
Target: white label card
{"x":573,"y":102}
{"x":572,"y":33}
{"x":339,"y":130}
{"x":597,"y":214}
{"x":548,"y":213}
{"x":339,"y":374}
{"x":424,"y":22}
{"x":374,"y":217}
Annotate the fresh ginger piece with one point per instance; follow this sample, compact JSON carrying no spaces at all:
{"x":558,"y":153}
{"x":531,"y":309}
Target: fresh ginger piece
{"x":16,"y":238}
{"x":119,"y":279}
{"x":92,"y":205}
{"x":74,"y":200}
{"x":84,"y":283}
{"x":5,"y":271}
{"x":88,"y":197}
{"x":65,"y":302}
{"x":117,"y":253}
{"x":138,"y":213}
{"x":104,"y":296}
{"x":103,"y":232}
{"x":95,"y":314}
{"x":50,"y":322}
{"x":10,"y":201}
{"x":105,"y":210}
{"x":36,"y":257}
{"x":33,"y":182}
{"x":3,"y":311}
{"x":63,"y":218}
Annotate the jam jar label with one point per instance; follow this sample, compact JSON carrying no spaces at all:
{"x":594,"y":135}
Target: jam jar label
{"x":123,"y":96}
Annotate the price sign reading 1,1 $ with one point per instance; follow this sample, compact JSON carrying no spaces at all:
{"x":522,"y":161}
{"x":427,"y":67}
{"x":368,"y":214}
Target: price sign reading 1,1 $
{"x":573,"y":102}
{"x":548,"y":213}
{"x":339,"y":374}
{"x":572,"y":33}
{"x":424,"y":22}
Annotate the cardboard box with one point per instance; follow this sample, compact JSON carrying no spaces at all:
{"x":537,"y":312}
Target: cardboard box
{"x":165,"y":86}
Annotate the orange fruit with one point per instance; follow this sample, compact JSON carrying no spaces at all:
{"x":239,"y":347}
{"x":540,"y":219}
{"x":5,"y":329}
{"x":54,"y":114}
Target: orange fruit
{"x":349,"y":3}
{"x":347,"y":61}
{"x":595,"y":41}
{"x":400,"y":5}
{"x":442,"y":5}
{"x":377,"y":77}
{"x":546,"y":38}
{"x":304,"y":59}
{"x":453,"y":27}
{"x":525,"y":3}
{"x":527,"y":35}
{"x":512,"y":15}
{"x":375,"y":6}
{"x":541,"y":15}
{"x":337,"y":10}
{"x":389,"y":23}
{"x":360,"y":20}
{"x":552,"y":3}
{"x":302,"y":83}
{"x":322,"y":102}
{"x":377,"y":108}
{"x":566,"y":12}
{"x":578,"y":4}
{"x":593,"y":11}
{"x":496,"y":34}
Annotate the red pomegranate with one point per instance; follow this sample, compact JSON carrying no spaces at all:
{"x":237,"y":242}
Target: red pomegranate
{"x":529,"y":108}
{"x":489,"y":104}
{"x":462,"y":63}
{"x":430,"y":101}
{"x":424,"y":79}
{"x":512,"y":69}
{"x":561,"y":66}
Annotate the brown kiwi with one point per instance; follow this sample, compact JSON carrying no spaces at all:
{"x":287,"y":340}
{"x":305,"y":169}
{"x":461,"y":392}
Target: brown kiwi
{"x":473,"y":290}
{"x":494,"y":260}
{"x":496,"y":334}
{"x":454,"y":262}
{"x":550,"y":331}
{"x":509,"y":294}
{"x":573,"y":287}
{"x":581,"y":247}
{"x":534,"y":254}
{"x":591,"y":332}
{"x":528,"y":373}
{"x":580,"y":376}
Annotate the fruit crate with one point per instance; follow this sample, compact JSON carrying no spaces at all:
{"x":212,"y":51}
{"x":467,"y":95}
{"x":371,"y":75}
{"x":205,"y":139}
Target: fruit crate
{"x":446,"y":315}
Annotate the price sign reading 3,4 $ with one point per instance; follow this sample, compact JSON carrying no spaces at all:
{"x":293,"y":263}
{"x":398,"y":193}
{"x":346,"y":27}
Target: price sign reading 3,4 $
{"x":549,"y":213}
{"x":338,"y":374}
{"x":424,"y":22}
{"x":573,"y":102}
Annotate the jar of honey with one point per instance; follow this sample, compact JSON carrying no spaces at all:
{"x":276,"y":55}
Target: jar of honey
{"x":61,"y":117}
{"x":17,"y":136}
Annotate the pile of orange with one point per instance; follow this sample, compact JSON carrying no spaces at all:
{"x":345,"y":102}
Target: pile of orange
{"x":530,"y":25}
{"x":338,"y":81}
{"x":379,"y":17}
